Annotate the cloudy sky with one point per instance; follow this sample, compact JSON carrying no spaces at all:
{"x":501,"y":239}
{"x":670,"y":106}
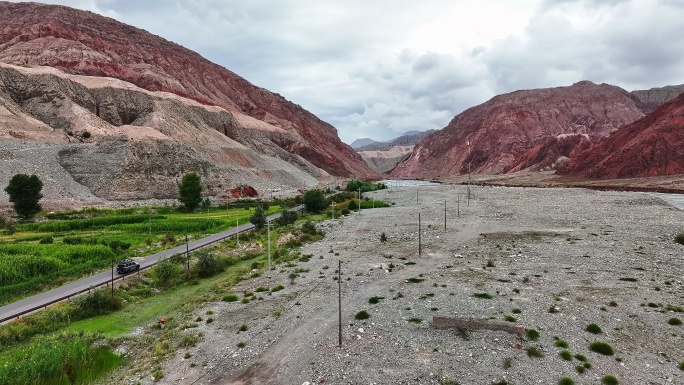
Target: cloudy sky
{"x":378,"y":68}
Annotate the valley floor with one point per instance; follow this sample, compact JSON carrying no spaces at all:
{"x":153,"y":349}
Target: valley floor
{"x":553,"y":260}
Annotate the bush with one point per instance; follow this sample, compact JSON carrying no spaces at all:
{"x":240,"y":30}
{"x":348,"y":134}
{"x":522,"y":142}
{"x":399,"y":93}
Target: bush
{"x":207,"y":265}
{"x":383,"y":237}
{"x":362,"y":315}
{"x":314,"y":201}
{"x":680,"y":238}
{"x":287,"y":218}
{"x":609,"y":380}
{"x":374,"y":300}
{"x":532,"y":334}
{"x":681,"y":365}
{"x":593,"y":328}
{"x":534,"y":352}
{"x":482,"y":295}
{"x":277,"y":288}
{"x":561,"y":343}
{"x":46,"y":240}
{"x":566,"y":381}
{"x":309,"y":228}
{"x":165,"y":272}
{"x":258,"y":219}
{"x":97,"y":302}
{"x":674,"y":321}
{"x":230,"y":297}
{"x":601,"y":348}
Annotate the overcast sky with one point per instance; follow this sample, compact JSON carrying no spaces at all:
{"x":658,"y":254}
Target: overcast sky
{"x":378,"y":68}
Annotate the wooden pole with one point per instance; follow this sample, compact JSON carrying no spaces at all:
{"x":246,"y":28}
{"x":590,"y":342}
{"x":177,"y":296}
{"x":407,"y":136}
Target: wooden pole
{"x":339,"y":300}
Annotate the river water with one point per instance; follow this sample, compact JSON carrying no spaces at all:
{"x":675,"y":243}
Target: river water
{"x":676,"y":200}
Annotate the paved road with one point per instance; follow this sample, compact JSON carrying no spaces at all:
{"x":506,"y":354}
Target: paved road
{"x":41,"y":300}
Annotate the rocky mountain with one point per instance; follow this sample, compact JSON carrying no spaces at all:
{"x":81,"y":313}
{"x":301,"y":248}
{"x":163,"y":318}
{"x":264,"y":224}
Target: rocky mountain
{"x":361,"y":142}
{"x":260,"y":123}
{"x":382,"y":157}
{"x":650,"y":146}
{"x":651,"y":99}
{"x":529,"y":130}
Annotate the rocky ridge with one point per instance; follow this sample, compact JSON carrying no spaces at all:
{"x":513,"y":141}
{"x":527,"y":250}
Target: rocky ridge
{"x":79,"y":42}
{"x":529,"y":130}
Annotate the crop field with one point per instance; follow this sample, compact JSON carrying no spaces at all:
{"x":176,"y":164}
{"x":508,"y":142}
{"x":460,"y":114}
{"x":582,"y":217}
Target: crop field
{"x":61,"y":247}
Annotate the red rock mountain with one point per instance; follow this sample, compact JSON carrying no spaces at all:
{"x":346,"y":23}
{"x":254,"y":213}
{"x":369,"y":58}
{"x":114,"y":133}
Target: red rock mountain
{"x":85,"y":43}
{"x":651,"y":146}
{"x":524,"y":130}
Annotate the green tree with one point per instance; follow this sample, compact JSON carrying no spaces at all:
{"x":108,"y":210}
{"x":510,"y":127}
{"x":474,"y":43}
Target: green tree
{"x":258,"y":219}
{"x":24,"y":192}
{"x":287,"y":217}
{"x":314,"y":201}
{"x":190,"y":191}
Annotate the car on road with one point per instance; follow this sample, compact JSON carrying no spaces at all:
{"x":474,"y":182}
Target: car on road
{"x":127,"y":266}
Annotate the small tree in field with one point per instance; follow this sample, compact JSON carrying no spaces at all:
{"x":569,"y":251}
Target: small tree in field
{"x":315,"y":201}
{"x":24,"y":192}
{"x":190,"y":191}
{"x":258,"y":219}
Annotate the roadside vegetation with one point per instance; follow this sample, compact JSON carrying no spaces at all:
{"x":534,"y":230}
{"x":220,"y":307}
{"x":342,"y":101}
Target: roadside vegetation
{"x":90,"y":326}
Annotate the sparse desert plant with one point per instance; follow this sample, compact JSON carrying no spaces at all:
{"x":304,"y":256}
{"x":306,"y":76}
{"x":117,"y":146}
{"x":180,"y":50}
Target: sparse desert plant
{"x":415,"y":320}
{"x":448,"y":382}
{"x":507,"y":362}
{"x":243,"y":328}
{"x":509,"y":318}
{"x":534,"y":352}
{"x":612,"y":303}
{"x":580,"y":357}
{"x":594,"y":328}
{"x":532,"y":334}
{"x":276,"y":314}
{"x":374,"y":300}
{"x":580,"y":369}
{"x":490,"y":263}
{"x":609,"y":379}
{"x":674,"y":321}
{"x":383,"y":237}
{"x":601,"y":348}
{"x":241,"y":345}
{"x":261,"y":289}
{"x":482,"y":295}
{"x":566,"y":381}
{"x":681,"y":365}
{"x":362,"y":315}
{"x":516,"y":311}
{"x":464,"y":334}
{"x":245,"y":300}
{"x":277,"y":288}
{"x":629,"y":279}
{"x":561,"y":343}
{"x":680,"y":238}
{"x":566,"y":355}
{"x":416,"y":280}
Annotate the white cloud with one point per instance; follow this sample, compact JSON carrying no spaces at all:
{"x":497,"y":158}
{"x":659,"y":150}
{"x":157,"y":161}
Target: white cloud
{"x":379,"y":68}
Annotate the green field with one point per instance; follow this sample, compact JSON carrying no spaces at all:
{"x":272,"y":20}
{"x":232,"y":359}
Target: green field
{"x":62,"y":247}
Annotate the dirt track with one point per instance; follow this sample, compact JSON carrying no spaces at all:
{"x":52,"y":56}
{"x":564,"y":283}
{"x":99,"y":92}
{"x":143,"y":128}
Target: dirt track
{"x":571,"y":249}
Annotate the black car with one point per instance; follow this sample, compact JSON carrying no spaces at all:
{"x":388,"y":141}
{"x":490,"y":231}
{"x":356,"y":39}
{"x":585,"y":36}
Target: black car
{"x":127,"y":266}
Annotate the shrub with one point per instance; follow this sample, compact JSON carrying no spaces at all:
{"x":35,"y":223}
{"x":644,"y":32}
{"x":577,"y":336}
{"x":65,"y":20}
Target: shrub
{"x":566,"y":355}
{"x":534,"y":352}
{"x":482,"y":295}
{"x":314,"y":201}
{"x":593,"y":328}
{"x":241,"y":345}
{"x":277,"y":288}
{"x":416,"y":280}
{"x":374,"y":300}
{"x":507,"y":362}
{"x":516,"y":311}
{"x":609,"y":380}
{"x":415,"y":320}
{"x":287,"y":218}
{"x":566,"y":381}
{"x":261,"y":289}
{"x":509,"y":318}
{"x":681,"y":365}
{"x":309,"y":228}
{"x":164,"y":272}
{"x":97,"y":302}
{"x":243,"y":328}
{"x":383,"y":237}
{"x":601,"y":348}
{"x":674,"y":321}
{"x":258,"y":219}
{"x":46,"y":240}
{"x":580,"y":369}
{"x":207,"y":265}
{"x":580,"y":357}
{"x":362,"y":315}
{"x":680,"y":238}
{"x":532,"y":334}
{"x":561,"y":343}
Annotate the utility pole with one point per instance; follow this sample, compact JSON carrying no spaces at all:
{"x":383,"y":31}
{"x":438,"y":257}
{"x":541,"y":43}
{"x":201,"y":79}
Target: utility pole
{"x":268,"y":226}
{"x":445,"y":215}
{"x":332,"y":205}
{"x":237,"y":231}
{"x":458,"y":205}
{"x":416,"y":196}
{"x":469,"y":160}
{"x":339,"y":300}
{"x":187,"y":250}
{"x":112,"y":278}
{"x":359,"y":200}
{"x":149,"y":216}
{"x":419,"y":237}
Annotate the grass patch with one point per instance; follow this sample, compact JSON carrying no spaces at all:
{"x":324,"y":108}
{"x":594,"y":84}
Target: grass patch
{"x":681,"y":365}
{"x":362,"y":315}
{"x":532,"y":334}
{"x":674,"y":321}
{"x":261,"y":289}
{"x":561,"y":343}
{"x":580,"y":369}
{"x":580,"y":357}
{"x":509,"y":318}
{"x":516,"y":311}
{"x":609,"y":379}
{"x":277,"y":288}
{"x":374,"y":300}
{"x":241,"y":345}
{"x":629,"y":279}
{"x":482,"y":295}
{"x":601,"y":348}
{"x":230,"y":297}
{"x":594,"y":329}
{"x":415,"y":320}
{"x":415,"y":280}
{"x":566,"y":355}
{"x":566,"y":381}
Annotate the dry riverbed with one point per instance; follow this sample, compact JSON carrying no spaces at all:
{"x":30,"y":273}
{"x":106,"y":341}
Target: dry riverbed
{"x":552,"y":260}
